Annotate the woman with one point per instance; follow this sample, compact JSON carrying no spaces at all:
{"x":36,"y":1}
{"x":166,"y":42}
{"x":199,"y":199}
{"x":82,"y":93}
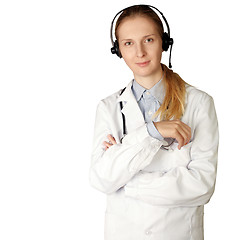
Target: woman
{"x":159,"y":176}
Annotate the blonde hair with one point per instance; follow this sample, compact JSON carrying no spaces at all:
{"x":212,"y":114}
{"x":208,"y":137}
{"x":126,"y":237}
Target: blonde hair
{"x":173,"y":105}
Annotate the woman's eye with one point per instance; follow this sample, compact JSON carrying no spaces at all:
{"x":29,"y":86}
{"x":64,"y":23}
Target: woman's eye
{"x":149,"y":40}
{"x":128,"y":43}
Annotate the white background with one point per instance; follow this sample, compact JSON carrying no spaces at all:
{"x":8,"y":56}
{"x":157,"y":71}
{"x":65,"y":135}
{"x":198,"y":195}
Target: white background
{"x":55,"y":66}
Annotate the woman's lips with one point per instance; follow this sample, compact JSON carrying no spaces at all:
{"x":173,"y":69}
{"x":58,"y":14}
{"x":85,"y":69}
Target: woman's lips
{"x":143,"y":64}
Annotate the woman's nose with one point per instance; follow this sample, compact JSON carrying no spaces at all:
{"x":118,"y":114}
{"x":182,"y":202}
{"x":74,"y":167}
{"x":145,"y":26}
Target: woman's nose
{"x":140,"y":50}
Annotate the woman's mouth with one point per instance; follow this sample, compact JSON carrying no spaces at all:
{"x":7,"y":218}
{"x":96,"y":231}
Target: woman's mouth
{"x":143,"y":64}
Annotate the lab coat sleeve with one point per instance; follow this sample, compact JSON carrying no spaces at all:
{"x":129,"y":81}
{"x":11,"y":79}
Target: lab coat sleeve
{"x":111,"y":169}
{"x":194,"y":184}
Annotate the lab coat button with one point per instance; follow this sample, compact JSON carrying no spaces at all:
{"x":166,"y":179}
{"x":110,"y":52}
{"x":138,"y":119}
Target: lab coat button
{"x":150,"y":112}
{"x":148,"y":232}
{"x":148,"y":93}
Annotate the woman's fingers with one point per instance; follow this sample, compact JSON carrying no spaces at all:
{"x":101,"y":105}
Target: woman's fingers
{"x":112,"y":139}
{"x":175,"y":129}
{"x":111,"y":142}
{"x":107,"y":145}
{"x":183,"y":134}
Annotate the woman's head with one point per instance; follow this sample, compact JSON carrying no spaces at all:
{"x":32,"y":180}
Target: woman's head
{"x":139,"y":32}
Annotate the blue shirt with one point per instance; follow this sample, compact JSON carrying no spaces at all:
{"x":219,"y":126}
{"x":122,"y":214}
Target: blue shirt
{"x":149,"y":102}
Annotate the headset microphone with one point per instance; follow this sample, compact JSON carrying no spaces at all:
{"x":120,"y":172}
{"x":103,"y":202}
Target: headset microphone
{"x":167,"y":41}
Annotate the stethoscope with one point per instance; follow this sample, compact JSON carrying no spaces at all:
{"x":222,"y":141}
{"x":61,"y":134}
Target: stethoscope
{"x":164,"y":147}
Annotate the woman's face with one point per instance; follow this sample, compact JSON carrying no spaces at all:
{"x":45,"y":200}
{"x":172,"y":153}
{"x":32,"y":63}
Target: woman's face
{"x":140,"y":45}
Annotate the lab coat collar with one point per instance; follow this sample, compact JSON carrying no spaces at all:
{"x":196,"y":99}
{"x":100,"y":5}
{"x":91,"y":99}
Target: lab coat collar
{"x":127,"y":95}
{"x":131,"y":110}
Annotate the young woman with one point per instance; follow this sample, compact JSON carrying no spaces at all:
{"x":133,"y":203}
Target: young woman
{"x":159,"y":176}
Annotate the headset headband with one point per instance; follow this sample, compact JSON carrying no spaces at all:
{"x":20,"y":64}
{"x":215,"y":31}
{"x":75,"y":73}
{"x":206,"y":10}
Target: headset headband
{"x":169,"y":41}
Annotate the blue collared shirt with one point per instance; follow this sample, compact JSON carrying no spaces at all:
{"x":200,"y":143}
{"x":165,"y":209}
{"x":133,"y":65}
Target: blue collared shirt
{"x":149,"y":101}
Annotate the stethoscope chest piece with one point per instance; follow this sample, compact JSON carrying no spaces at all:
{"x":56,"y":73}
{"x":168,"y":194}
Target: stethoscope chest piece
{"x":122,"y":138}
{"x":167,"y":147}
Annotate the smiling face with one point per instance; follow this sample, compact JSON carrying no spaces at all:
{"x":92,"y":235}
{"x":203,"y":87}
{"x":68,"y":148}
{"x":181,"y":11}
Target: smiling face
{"x":141,"y":46}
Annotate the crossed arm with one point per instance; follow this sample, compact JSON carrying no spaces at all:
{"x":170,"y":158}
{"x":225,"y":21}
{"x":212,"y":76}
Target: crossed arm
{"x":168,"y":129}
{"x":121,"y":165}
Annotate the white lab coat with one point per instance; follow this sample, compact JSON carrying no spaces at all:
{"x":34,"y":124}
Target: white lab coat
{"x":154,"y":194}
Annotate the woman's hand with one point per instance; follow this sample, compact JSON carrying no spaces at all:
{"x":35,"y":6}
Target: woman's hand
{"x":111,"y":142}
{"x":174,"y":129}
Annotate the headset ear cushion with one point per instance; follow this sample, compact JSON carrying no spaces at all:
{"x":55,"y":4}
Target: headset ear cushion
{"x":116,"y":49}
{"x":165,"y":41}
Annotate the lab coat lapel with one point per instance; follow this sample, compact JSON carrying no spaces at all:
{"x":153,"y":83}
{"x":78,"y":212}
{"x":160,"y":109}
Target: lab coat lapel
{"x":133,"y":115}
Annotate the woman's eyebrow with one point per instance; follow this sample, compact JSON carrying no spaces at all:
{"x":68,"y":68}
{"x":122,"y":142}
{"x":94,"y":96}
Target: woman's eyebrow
{"x":126,"y":40}
{"x":149,"y":35}
{"x":129,"y":39}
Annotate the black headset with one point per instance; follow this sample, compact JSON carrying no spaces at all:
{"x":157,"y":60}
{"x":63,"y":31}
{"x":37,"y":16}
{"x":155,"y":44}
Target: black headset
{"x":167,"y":41}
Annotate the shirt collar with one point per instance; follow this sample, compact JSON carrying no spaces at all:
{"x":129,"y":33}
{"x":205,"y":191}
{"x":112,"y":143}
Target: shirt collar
{"x":157,"y":91}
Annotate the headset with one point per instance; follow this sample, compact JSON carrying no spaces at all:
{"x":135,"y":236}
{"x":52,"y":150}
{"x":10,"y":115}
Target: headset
{"x":167,"y":41}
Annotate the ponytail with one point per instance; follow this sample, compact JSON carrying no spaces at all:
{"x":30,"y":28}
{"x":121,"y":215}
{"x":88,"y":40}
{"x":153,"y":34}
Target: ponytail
{"x":173,"y":105}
